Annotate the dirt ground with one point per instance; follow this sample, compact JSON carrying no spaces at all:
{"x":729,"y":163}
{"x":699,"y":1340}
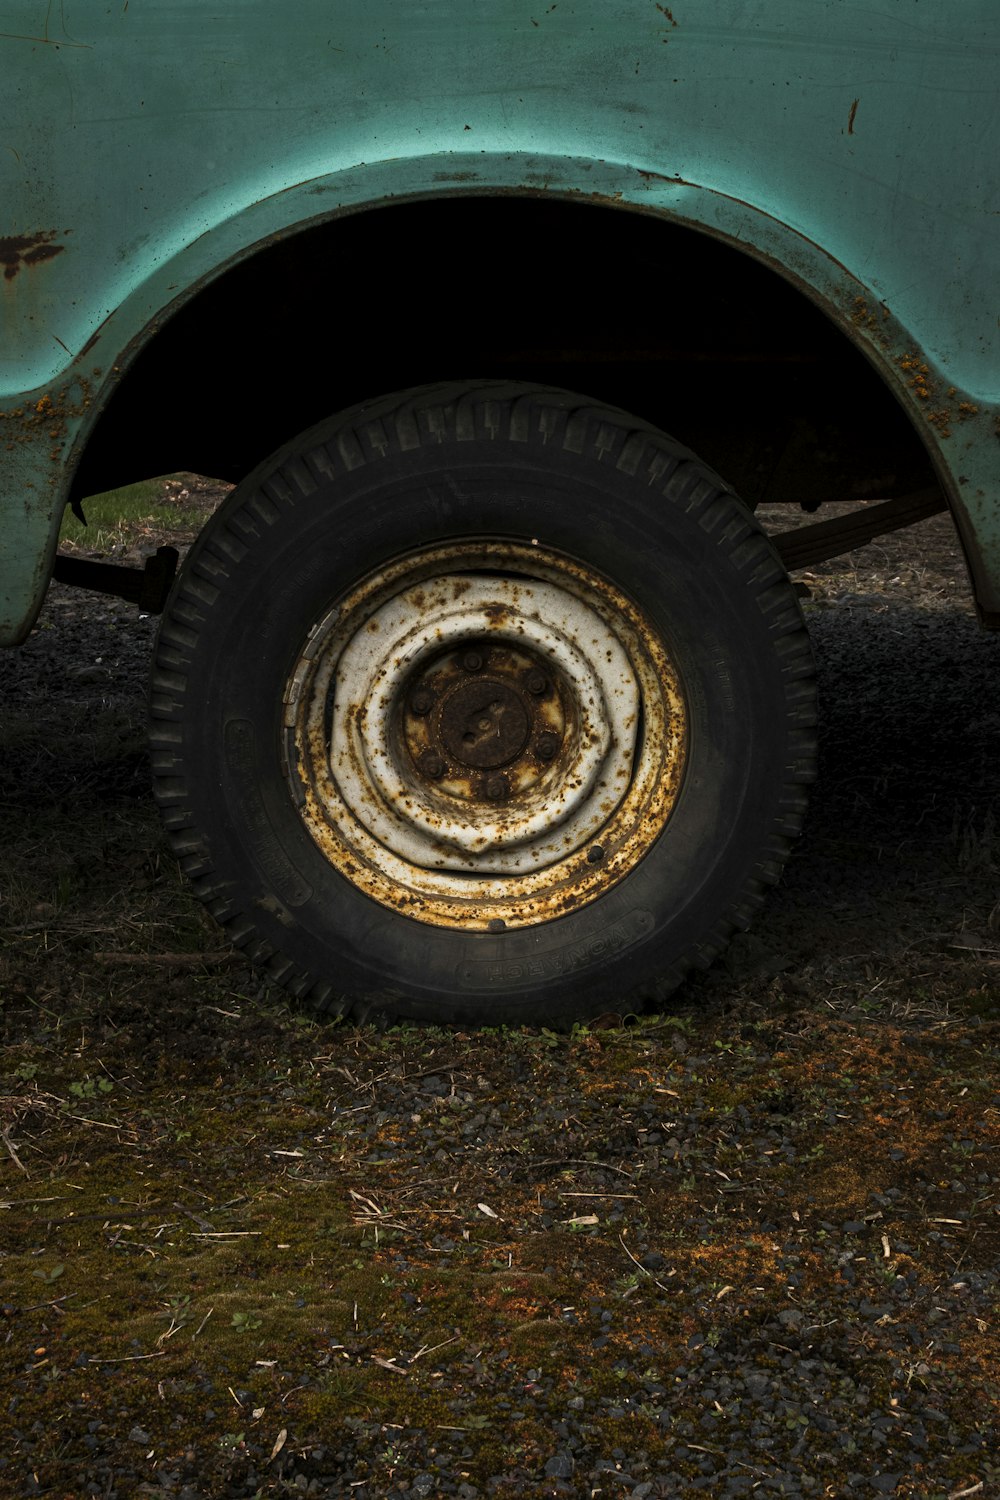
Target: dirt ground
{"x":748,"y":1246}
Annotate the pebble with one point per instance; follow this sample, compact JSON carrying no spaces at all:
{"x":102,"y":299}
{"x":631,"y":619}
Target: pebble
{"x":560,"y":1466}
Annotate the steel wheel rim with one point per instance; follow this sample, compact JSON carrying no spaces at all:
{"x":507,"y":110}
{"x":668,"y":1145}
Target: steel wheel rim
{"x":484,"y":735}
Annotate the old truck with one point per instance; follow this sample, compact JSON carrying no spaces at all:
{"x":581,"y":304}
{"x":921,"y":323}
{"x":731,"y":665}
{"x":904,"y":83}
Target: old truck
{"x":481,"y":699}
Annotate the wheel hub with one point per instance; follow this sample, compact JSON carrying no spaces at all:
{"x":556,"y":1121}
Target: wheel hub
{"x":481,"y":709}
{"x":484,"y":724}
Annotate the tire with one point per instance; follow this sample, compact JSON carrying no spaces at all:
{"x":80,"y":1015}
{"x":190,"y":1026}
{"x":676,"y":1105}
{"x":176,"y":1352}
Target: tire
{"x":484,"y":705}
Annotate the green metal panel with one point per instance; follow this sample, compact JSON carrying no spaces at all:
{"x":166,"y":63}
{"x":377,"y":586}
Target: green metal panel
{"x":143,"y":146}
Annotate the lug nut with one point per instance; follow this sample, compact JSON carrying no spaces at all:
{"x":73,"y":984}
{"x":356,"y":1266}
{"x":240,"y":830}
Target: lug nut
{"x":496,"y":789}
{"x":432,"y":765}
{"x":538,"y":684}
{"x":472,"y":661}
{"x":546,"y":746}
{"x":421,"y":702}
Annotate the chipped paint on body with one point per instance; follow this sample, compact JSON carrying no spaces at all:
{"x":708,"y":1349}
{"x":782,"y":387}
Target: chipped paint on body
{"x":820,"y":139}
{"x":18,"y":251}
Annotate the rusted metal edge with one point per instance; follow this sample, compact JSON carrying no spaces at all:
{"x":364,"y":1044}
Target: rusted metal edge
{"x":806,"y":545}
{"x":147,"y":587}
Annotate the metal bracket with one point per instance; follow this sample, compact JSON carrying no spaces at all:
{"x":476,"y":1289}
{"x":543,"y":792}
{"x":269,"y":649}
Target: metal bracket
{"x":805,"y":545}
{"x":147,"y":587}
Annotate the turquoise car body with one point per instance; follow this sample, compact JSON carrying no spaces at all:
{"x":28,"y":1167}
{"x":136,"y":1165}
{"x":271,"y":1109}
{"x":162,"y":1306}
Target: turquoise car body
{"x":146,"y":148}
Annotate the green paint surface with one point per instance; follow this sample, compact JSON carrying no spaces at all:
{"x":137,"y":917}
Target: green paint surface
{"x":144,"y":147}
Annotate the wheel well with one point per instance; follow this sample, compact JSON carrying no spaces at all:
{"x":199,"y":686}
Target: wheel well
{"x":664,"y":321}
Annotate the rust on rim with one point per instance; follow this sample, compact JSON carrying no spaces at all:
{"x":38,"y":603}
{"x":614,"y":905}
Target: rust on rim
{"x":484,"y":735}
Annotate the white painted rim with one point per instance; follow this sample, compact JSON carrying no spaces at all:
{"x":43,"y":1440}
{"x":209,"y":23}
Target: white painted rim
{"x":380,"y":784}
{"x":573,"y":829}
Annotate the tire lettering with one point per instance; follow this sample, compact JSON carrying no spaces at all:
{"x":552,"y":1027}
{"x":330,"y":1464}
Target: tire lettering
{"x":275,"y":611}
{"x":725,"y":683}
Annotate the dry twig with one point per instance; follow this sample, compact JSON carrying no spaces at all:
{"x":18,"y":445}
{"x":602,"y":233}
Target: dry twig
{"x":5,"y":1133}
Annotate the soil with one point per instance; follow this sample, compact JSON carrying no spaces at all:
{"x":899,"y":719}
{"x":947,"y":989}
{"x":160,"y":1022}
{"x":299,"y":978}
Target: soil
{"x":750,"y":1245}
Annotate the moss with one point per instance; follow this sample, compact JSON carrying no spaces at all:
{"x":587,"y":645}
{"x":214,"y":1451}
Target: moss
{"x":178,"y":1260}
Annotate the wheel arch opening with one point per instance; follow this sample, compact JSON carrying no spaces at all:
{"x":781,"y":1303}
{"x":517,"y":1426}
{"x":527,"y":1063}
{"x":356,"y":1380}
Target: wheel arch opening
{"x":683,"y":329}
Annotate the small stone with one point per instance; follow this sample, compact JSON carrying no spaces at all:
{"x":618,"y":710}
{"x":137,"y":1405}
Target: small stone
{"x":89,"y":675}
{"x":423,"y":1484}
{"x":139,"y":1435}
{"x":560,"y":1466}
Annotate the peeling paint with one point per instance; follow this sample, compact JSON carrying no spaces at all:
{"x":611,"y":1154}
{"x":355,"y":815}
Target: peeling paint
{"x":20,"y":250}
{"x":668,"y":13}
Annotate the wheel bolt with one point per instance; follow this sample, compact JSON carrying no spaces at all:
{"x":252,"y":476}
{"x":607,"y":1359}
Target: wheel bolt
{"x":538,"y":684}
{"x":432,"y":765}
{"x":472,"y":661}
{"x":496,"y":789}
{"x":421,"y":702}
{"x":595,"y":854}
{"x":546,"y":746}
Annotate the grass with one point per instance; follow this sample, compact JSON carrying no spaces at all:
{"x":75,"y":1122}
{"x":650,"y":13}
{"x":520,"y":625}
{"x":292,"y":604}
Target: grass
{"x":120,"y":519}
{"x":224,"y":1234}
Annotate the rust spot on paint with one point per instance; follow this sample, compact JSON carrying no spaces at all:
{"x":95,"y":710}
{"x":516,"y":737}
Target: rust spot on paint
{"x":850,"y":117}
{"x":19,"y":250}
{"x":48,"y":417}
{"x":918,"y":375}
